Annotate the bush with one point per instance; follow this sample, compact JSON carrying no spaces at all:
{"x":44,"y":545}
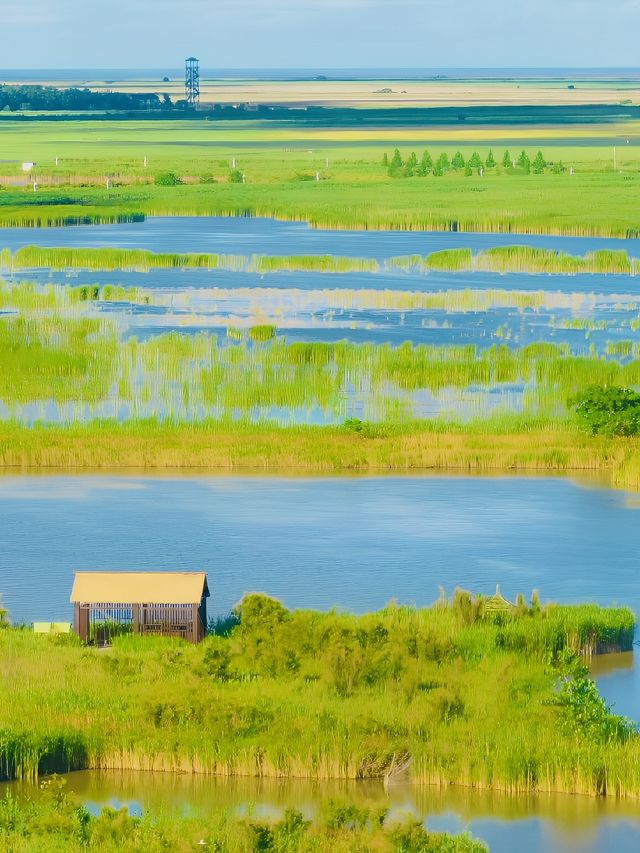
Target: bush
{"x":167,"y":179}
{"x":610,"y":411}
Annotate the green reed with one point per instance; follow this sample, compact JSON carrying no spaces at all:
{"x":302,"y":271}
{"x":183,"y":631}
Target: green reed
{"x":55,"y":350}
{"x":456,"y":693}
{"x":504,"y":259}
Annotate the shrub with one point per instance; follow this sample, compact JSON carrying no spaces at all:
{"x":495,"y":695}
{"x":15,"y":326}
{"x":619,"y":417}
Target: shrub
{"x":167,"y":179}
{"x":611,"y":411}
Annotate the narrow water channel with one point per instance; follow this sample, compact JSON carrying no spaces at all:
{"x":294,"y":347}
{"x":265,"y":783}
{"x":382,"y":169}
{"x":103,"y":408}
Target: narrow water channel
{"x":527,"y":824}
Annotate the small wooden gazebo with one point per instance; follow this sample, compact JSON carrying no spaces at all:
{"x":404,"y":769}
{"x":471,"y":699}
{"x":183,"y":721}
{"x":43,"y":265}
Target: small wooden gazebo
{"x":170,"y":604}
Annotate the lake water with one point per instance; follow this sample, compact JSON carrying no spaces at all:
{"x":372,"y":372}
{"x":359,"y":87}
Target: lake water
{"x":349,"y":542}
{"x":253,"y":235}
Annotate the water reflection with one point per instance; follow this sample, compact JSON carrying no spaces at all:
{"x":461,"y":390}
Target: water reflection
{"x":585,"y":314}
{"x":618,"y":678}
{"x":530,"y":824}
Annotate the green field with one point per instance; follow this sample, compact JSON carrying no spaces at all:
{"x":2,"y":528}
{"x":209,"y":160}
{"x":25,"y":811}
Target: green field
{"x":354,"y":190}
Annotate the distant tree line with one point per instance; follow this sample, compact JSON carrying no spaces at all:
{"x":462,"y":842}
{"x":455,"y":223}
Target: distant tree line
{"x":397,"y":167}
{"x":14,"y":98}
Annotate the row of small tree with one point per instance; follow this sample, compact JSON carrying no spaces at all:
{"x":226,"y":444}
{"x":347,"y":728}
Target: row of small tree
{"x":399,"y":168}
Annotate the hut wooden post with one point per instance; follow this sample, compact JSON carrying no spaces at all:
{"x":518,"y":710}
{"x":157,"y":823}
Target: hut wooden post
{"x":81,"y":621}
{"x":195,"y":620}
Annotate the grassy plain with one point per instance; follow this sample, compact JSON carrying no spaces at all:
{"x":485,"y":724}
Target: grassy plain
{"x":354,"y":190}
{"x":395,"y":91}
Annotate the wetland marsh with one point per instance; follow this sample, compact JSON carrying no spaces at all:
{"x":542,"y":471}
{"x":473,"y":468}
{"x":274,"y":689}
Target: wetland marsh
{"x":420,"y":321}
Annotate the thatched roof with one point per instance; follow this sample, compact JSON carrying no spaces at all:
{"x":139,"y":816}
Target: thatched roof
{"x":139,"y":587}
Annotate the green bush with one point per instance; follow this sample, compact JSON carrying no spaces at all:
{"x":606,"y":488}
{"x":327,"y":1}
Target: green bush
{"x":167,"y":179}
{"x":611,"y":411}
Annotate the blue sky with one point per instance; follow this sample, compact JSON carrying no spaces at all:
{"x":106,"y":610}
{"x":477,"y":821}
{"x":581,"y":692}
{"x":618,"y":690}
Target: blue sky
{"x":319,"y":33}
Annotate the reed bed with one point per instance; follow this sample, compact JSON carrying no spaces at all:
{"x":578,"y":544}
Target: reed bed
{"x":526,"y":259}
{"x":453,"y":694}
{"x":504,"y":259}
{"x":55,"y":350}
{"x":495,"y":444}
{"x":114,"y":402}
{"x":186,"y":377}
{"x":140,"y":260}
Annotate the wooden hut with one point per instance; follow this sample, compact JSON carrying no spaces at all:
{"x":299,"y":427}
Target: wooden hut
{"x":497,"y":603}
{"x":169,"y":604}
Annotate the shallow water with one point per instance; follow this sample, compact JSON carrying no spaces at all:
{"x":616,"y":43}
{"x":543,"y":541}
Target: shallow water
{"x":587,"y":313}
{"x":529,"y":824}
{"x":596,"y":315}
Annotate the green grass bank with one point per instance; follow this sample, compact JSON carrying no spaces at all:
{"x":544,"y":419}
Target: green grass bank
{"x":453,"y":694}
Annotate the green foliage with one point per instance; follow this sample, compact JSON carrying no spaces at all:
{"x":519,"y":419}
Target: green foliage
{"x":167,"y":179}
{"x":490,"y":162}
{"x":608,"y":410}
{"x":426,"y":163}
{"x":524,"y":162}
{"x":586,"y":714}
{"x":262,"y":333}
{"x":442,"y":163}
{"x":236,"y":176}
{"x":475,"y":161}
{"x":539,"y":164}
{"x":457,"y":161}
{"x":506,"y":160}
